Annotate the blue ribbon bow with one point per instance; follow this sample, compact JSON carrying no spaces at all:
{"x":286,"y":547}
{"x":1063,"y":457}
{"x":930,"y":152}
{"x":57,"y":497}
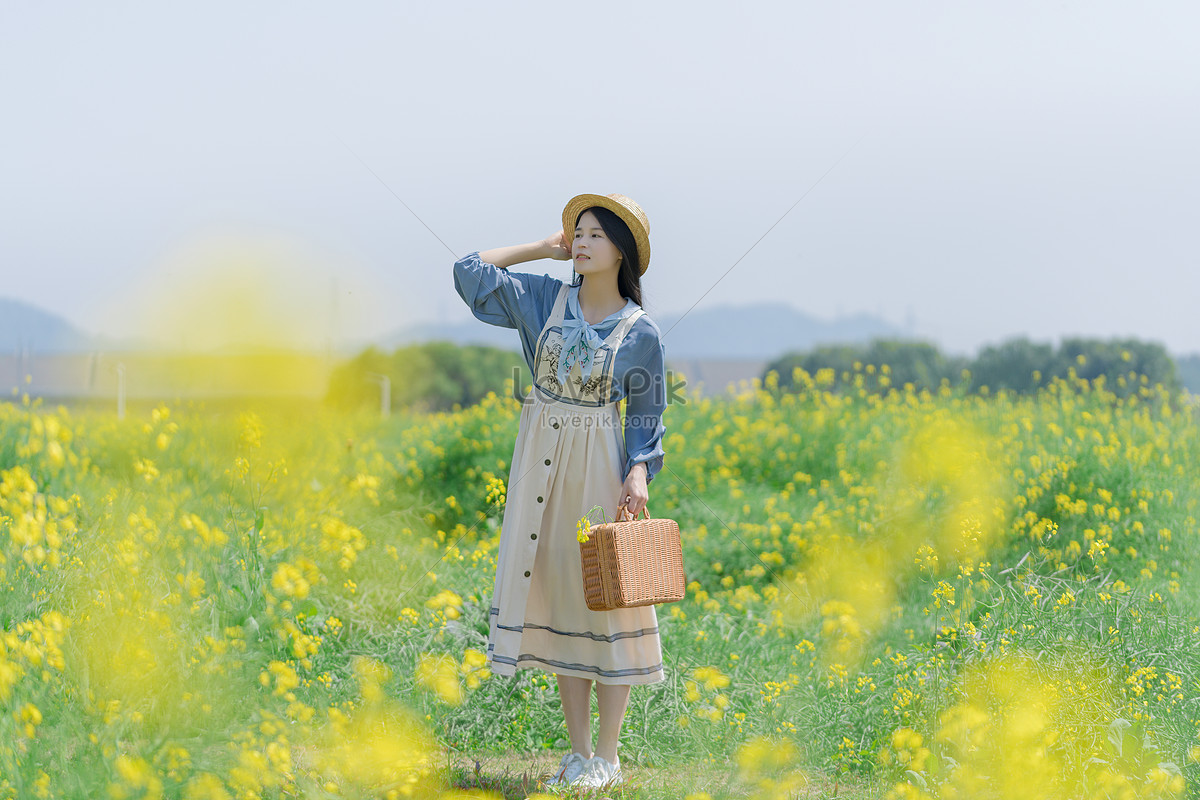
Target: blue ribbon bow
{"x":580,"y":341}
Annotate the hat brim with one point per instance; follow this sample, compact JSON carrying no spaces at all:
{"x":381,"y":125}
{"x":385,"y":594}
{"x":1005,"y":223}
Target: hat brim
{"x":639,"y":226}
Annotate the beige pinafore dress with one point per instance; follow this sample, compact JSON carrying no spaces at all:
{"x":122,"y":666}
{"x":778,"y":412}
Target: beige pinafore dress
{"x":569,"y":457}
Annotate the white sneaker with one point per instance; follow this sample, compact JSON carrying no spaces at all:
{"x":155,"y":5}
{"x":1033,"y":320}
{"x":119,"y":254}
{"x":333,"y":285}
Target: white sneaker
{"x":598,"y":773}
{"x":570,"y":769}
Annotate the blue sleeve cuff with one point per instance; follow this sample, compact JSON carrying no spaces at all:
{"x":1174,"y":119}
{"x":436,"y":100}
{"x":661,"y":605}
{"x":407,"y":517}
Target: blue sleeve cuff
{"x":647,"y":401}
{"x":483,"y":286}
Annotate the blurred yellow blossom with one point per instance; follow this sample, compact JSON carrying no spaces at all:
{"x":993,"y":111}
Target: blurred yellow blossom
{"x":439,"y":673}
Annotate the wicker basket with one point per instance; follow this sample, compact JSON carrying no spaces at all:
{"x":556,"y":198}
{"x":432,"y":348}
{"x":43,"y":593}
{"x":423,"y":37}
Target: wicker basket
{"x":634,"y":563}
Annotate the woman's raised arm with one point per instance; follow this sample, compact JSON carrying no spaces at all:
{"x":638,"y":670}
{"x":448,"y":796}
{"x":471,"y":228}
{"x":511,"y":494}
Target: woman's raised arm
{"x":553,"y":246}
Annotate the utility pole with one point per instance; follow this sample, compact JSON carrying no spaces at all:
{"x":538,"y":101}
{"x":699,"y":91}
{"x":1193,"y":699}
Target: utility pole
{"x":385,"y":393}
{"x":331,"y":343}
{"x":121,"y":390}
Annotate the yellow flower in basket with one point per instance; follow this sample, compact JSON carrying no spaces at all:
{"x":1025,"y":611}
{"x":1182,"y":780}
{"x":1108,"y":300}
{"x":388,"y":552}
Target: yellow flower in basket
{"x":584,"y":527}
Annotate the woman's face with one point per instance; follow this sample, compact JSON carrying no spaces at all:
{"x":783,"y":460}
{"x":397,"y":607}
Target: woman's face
{"x":592,"y":251}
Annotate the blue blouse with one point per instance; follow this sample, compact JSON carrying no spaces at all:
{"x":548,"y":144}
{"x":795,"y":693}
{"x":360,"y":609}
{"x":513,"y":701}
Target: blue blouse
{"x":525,"y":302}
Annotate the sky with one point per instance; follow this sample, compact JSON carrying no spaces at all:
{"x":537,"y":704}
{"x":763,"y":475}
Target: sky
{"x":969,"y":172}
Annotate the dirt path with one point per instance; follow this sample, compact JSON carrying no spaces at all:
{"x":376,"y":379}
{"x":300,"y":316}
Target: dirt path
{"x":518,"y":775}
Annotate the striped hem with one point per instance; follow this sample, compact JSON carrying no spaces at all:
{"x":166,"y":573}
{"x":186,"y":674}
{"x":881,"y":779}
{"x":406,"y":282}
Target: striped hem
{"x":603,"y":673}
{"x":595,"y":637}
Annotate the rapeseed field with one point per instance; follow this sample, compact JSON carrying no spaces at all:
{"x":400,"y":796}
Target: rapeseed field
{"x":893,"y":594}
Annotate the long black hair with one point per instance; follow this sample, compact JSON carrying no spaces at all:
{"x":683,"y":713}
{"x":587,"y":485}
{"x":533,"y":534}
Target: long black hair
{"x":629,"y":278}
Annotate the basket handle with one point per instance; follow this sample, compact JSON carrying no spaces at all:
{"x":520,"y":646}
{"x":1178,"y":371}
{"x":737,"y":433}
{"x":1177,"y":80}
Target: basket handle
{"x":623,"y":514}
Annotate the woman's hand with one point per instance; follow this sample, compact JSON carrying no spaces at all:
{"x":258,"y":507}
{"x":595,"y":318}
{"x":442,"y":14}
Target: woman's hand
{"x":633,"y":494}
{"x":557,"y":246}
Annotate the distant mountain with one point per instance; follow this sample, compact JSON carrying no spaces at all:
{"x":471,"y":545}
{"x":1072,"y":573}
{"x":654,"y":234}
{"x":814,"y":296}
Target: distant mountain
{"x":761,"y":331}
{"x":27,"y":328}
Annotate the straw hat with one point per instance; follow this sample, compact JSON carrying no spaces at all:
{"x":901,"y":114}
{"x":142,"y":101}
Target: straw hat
{"x":630,"y":212}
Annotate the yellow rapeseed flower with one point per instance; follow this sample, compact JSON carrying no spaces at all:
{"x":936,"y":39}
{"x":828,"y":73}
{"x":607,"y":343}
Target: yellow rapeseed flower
{"x":206,"y":786}
{"x":439,"y":674}
{"x":711,"y":677}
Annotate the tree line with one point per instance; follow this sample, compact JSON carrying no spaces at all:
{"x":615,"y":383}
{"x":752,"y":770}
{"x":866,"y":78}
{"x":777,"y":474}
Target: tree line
{"x":440,"y":375}
{"x":1016,"y":365}
{"x":427,"y":377}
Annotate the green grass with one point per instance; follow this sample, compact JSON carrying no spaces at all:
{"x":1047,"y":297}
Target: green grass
{"x":516,"y":775}
{"x":873,"y":579}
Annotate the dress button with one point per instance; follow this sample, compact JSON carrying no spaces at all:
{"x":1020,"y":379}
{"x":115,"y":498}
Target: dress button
{"x":539,"y":498}
{"x":526,"y":573}
{"x":554,"y":425}
{"x":533,"y":536}
{"x":547,"y":462}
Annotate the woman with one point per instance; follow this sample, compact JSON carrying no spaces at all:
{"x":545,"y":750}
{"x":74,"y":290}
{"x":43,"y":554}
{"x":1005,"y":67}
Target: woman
{"x":589,"y":345}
